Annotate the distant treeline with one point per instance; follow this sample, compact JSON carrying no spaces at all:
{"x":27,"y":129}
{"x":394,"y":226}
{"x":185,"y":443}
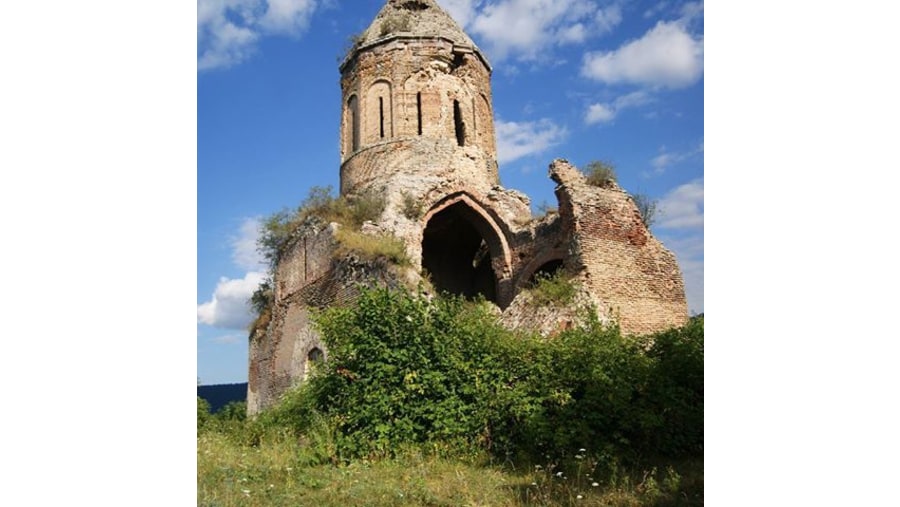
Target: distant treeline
{"x":220,"y":395}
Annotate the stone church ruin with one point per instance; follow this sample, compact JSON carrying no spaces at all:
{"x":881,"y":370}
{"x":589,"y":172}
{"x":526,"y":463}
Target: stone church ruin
{"x":417,"y":128}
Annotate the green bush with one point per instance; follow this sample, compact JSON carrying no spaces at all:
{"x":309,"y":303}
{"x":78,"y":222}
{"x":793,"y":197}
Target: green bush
{"x":203,"y":414}
{"x":675,"y":390}
{"x":403,"y":370}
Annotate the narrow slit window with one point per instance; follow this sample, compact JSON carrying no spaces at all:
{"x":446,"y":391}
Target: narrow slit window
{"x":354,"y":123}
{"x":381,"y":116}
{"x":419,"y":110}
{"x":458,"y":123}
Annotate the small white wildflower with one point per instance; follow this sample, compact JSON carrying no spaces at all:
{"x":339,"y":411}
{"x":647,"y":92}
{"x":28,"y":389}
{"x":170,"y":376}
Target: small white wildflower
{"x":559,"y":474}
{"x":408,"y":318}
{"x":579,"y":497}
{"x":582,"y":450}
{"x":271,"y":486}
{"x":534,"y":484}
{"x":595,"y":484}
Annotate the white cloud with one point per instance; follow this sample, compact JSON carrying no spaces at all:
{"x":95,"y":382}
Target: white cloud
{"x":243,"y":247}
{"x":681,"y":214}
{"x":666,"y":158}
{"x":607,"y":112}
{"x":228,"y":30}
{"x":518,"y":139}
{"x":462,"y":11}
{"x":688,"y":251}
{"x":599,"y":113}
{"x":228,"y":339}
{"x":525,"y":29}
{"x":666,"y":56}
{"x":682,"y":208}
{"x":289,"y":17}
{"x":229,"y":307}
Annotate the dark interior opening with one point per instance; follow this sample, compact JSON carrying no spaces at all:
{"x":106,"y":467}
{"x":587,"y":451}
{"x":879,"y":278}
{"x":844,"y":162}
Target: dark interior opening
{"x":381,"y":116}
{"x":354,"y":123}
{"x":315,"y":355}
{"x":547,"y":269}
{"x":419,"y":110}
{"x":457,"y":256}
{"x":459,"y":124}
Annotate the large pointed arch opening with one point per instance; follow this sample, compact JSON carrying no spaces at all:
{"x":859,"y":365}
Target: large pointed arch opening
{"x":463,"y":250}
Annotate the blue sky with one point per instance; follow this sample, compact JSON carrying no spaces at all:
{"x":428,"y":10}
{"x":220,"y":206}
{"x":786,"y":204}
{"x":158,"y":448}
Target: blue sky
{"x":620,"y":81}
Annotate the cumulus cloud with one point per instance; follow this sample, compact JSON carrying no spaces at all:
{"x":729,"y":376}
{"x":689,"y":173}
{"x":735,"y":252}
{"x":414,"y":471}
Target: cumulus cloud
{"x":666,"y":56}
{"x":681,"y":217}
{"x":228,"y":30}
{"x":519,"y":139}
{"x":689,"y":252}
{"x":606,"y":112}
{"x":667,"y":158}
{"x":243,"y":246}
{"x":462,"y":11}
{"x":682,"y":208}
{"x":229,"y":306}
{"x":600,"y":113}
{"x":524,"y":29}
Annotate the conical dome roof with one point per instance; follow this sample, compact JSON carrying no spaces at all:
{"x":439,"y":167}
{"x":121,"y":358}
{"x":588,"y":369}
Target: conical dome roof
{"x":415,"y":18}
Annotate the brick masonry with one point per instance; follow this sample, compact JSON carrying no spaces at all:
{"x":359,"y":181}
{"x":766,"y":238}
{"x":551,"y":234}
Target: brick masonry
{"x":417,"y":126}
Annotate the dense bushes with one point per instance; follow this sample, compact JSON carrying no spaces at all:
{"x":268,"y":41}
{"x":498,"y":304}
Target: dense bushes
{"x":403,"y":370}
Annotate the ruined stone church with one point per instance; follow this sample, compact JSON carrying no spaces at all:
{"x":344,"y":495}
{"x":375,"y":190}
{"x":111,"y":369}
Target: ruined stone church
{"x":417,"y":126}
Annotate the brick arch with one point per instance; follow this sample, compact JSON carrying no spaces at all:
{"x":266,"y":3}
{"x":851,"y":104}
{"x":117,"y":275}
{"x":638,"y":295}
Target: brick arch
{"x":379,"y":116}
{"x":455,"y":230}
{"x":352,"y":124}
{"x":537,"y":262}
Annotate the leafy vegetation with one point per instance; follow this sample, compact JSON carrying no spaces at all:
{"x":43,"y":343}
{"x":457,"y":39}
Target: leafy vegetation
{"x":403,"y":370}
{"x":647,"y":208}
{"x":600,"y":174}
{"x":553,"y":289}
{"x":437,"y":401}
{"x":279,"y":231}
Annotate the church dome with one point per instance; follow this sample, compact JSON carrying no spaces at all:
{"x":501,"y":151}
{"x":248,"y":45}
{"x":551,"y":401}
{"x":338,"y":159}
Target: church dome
{"x":416,"y":19}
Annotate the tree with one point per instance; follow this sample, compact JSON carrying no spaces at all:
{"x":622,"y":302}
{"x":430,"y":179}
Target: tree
{"x":647,"y":207}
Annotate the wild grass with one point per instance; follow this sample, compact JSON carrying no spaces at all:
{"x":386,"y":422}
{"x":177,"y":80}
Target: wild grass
{"x":277,"y":471}
{"x":372,"y":247}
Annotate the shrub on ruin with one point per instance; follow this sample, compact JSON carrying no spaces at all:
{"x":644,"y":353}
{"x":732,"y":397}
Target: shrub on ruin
{"x":647,"y":208}
{"x":600,"y":174}
{"x":553,"y":289}
{"x":395,"y":23}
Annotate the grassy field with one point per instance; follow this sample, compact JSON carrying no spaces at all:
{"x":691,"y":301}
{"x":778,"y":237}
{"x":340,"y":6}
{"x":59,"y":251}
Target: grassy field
{"x":282,"y":471}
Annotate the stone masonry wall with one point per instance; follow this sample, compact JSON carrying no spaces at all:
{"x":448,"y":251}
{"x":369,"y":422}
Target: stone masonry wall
{"x":635,"y":277}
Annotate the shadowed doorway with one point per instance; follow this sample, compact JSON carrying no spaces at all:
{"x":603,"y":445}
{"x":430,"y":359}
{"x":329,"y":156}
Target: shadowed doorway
{"x":456,"y":252}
